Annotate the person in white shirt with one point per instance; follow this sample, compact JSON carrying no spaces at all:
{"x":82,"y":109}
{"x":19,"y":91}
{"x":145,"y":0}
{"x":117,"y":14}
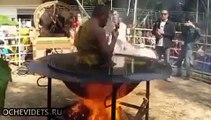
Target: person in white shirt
{"x":122,"y":43}
{"x":115,"y":21}
{"x":164,"y":31}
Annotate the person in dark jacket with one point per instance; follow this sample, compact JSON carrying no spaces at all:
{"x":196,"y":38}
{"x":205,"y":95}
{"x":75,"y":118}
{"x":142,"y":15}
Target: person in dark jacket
{"x":190,"y":34}
{"x":164,"y":31}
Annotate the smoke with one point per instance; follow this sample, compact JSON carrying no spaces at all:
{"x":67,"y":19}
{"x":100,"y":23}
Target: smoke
{"x":177,"y":8}
{"x":121,"y":3}
{"x":175,"y":5}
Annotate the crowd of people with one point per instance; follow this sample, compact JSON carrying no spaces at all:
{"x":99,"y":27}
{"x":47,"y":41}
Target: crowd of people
{"x":95,"y":44}
{"x":164,"y":31}
{"x":92,"y":39}
{"x":105,"y":33}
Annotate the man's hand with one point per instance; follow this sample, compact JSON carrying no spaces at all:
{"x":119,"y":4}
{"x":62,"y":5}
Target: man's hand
{"x":158,"y":34}
{"x":160,"y":31}
{"x":115,"y":34}
{"x":189,"y":23}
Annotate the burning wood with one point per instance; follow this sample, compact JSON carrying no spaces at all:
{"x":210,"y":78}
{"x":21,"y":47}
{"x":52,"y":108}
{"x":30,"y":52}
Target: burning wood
{"x":97,"y":101}
{"x":77,"y":111}
{"x":96,"y":104}
{"x":80,"y":111}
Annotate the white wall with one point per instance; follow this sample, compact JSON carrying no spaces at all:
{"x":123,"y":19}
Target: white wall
{"x":20,"y":2}
{"x":9,"y":7}
{"x":11,"y":12}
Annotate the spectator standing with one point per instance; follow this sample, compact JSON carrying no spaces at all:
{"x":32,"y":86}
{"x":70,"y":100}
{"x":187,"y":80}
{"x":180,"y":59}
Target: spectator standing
{"x":164,"y":31}
{"x":190,"y":34}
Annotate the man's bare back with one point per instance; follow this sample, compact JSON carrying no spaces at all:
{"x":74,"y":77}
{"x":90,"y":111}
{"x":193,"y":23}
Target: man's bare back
{"x":96,"y":37}
{"x":99,"y":34}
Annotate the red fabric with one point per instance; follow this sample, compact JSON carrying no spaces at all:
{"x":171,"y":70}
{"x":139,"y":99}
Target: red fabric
{"x":75,"y":27}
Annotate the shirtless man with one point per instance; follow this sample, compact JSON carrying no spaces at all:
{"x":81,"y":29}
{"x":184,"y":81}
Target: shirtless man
{"x":91,"y":41}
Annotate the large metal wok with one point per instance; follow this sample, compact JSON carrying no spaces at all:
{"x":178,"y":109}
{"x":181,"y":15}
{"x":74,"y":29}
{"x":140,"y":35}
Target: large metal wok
{"x":127,"y":76}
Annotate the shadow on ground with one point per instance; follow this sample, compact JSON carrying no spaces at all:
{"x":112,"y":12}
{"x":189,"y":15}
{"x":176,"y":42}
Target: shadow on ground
{"x":34,"y":96}
{"x":29,"y":95}
{"x":192,"y":90}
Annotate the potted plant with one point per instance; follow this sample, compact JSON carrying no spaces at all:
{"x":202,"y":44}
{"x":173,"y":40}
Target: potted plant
{"x":5,"y":76}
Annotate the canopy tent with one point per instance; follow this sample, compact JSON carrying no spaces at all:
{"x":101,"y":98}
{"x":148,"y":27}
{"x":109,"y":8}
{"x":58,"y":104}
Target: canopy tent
{"x":5,"y":20}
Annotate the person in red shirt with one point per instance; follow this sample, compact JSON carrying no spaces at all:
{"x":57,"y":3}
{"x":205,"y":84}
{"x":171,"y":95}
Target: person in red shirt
{"x":76,"y":23}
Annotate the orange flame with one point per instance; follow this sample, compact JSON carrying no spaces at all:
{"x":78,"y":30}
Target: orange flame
{"x":95,"y":101}
{"x":98,"y":97}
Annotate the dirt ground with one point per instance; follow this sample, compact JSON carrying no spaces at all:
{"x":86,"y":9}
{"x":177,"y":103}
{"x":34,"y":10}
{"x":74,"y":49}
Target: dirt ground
{"x":176,"y":100}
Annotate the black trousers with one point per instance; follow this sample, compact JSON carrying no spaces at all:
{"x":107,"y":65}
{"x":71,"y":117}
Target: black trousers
{"x":163,"y":51}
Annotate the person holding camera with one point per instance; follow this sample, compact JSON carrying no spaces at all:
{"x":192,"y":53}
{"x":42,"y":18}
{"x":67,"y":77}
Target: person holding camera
{"x":190,"y":33}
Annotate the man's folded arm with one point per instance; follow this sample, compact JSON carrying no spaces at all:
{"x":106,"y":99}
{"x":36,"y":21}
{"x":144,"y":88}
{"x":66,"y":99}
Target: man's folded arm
{"x":105,"y":48}
{"x":170,"y":34}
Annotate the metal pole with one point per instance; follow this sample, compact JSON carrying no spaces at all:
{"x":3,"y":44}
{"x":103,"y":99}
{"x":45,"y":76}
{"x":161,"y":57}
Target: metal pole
{"x":82,"y":3}
{"x":208,"y":7}
{"x":111,"y":4}
{"x":82,"y":8}
{"x":49,"y":97}
{"x":128,"y":9}
{"x":134,"y":20}
{"x":147,"y":96}
{"x":207,"y":23}
{"x":207,"y":32}
{"x":135,"y":12}
{"x":19,"y":43}
{"x":197,"y":11}
{"x":113,"y":99}
{"x":113,"y":107}
{"x":208,"y":12}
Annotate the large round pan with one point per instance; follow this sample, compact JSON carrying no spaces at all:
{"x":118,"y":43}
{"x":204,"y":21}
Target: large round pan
{"x":127,"y":76}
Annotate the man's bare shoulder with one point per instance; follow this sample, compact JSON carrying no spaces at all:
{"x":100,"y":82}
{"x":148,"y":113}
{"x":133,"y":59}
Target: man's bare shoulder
{"x":98,"y":31}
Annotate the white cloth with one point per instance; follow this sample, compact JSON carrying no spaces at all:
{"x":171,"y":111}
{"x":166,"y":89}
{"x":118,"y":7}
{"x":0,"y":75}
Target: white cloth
{"x":122,"y":31}
{"x":121,"y":39}
{"x":121,"y":44}
{"x":162,"y":25}
{"x":146,"y":52}
{"x":109,"y":28}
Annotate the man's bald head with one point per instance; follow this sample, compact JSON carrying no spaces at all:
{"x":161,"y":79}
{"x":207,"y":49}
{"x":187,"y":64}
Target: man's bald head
{"x":101,"y":12}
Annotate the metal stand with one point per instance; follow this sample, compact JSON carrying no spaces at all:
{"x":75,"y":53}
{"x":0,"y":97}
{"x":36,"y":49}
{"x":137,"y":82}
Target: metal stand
{"x":147,"y":96}
{"x":49,"y":101}
{"x":113,"y":107}
{"x":114,"y":98}
{"x":49,"y":97}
